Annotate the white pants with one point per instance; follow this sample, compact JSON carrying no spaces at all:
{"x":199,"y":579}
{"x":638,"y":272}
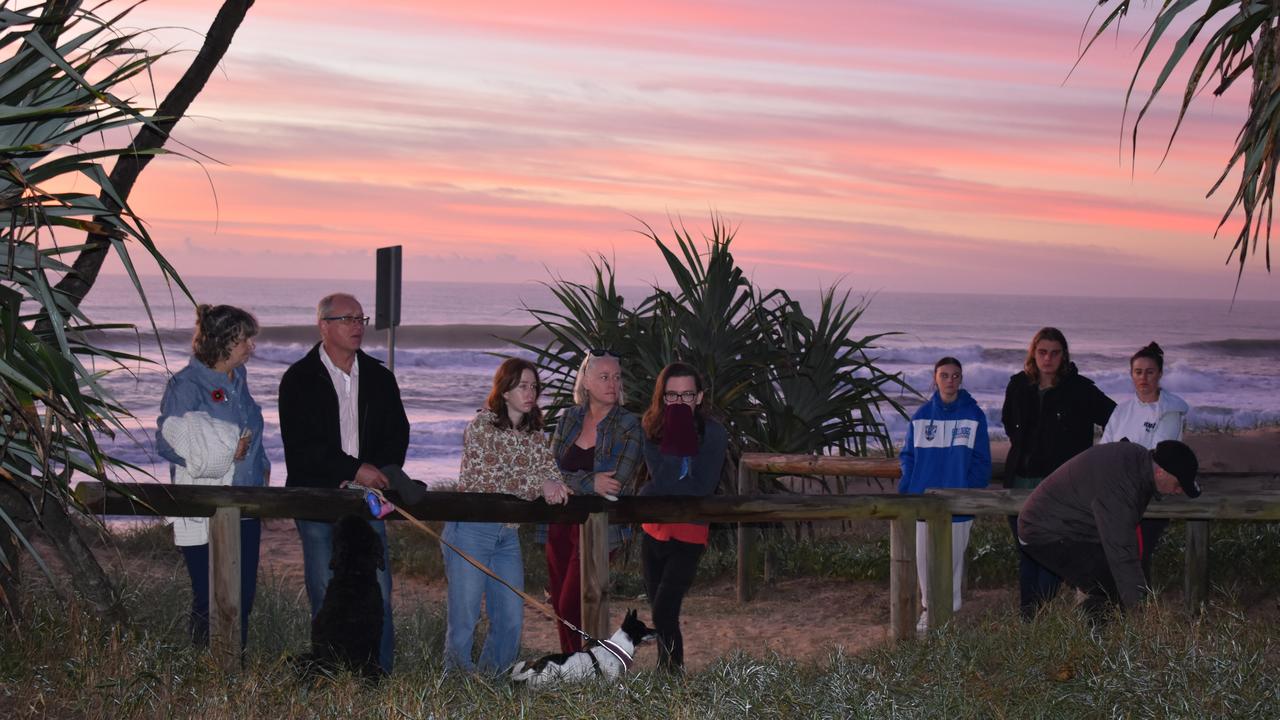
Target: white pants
{"x":959,"y":541}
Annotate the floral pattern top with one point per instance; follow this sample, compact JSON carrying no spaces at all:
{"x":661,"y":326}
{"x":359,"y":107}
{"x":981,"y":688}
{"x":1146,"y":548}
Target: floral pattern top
{"x":504,"y":461}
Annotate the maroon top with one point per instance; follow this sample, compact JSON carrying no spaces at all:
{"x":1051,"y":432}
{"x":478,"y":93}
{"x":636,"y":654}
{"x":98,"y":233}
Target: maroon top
{"x":576,"y":458}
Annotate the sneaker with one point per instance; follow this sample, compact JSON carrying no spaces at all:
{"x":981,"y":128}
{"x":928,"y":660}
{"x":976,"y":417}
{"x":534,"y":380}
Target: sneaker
{"x":922,"y":625}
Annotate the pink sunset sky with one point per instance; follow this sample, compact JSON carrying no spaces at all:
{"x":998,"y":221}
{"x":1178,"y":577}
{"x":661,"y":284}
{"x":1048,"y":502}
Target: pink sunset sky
{"x":928,"y":145}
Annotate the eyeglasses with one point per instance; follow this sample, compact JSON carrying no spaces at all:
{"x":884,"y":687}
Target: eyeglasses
{"x":686,"y":396}
{"x":348,"y":319}
{"x":602,"y":352}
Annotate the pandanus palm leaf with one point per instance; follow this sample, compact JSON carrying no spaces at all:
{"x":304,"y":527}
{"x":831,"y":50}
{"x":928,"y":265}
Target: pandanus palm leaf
{"x":58,"y":85}
{"x":781,"y":381}
{"x":1224,"y":41}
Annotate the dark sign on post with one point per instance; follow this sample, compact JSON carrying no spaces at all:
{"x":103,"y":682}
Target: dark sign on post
{"x":386,"y":315}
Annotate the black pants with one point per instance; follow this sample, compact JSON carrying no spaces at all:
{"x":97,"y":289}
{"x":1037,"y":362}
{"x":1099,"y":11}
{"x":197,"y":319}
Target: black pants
{"x":197,"y":559}
{"x":669,"y":568}
{"x":1037,"y":584}
{"x":1082,"y":565}
{"x":1149,"y":532}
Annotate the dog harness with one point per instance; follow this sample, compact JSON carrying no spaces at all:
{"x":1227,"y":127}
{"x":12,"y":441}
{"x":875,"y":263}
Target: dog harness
{"x":615,"y":650}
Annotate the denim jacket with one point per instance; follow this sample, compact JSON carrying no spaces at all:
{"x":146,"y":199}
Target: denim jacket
{"x":200,"y":387}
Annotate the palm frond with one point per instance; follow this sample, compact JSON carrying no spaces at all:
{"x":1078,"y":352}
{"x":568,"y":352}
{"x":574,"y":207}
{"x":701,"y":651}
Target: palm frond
{"x":1235,"y":39}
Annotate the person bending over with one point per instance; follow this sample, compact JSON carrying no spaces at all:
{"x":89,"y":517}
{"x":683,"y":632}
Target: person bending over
{"x":1079,"y":522}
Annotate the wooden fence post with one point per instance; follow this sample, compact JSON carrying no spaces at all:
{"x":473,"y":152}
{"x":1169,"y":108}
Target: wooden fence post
{"x":1196,"y":577}
{"x":902,"y":577}
{"x":224,"y":587}
{"x":939,"y":569}
{"x":747,"y":484}
{"x":593,"y":556}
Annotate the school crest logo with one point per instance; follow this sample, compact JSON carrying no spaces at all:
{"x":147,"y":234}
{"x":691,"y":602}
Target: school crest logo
{"x":930,"y":431}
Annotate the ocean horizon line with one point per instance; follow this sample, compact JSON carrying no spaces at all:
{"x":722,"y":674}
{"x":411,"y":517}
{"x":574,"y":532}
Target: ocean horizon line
{"x":344,"y":284}
{"x":442,"y":335}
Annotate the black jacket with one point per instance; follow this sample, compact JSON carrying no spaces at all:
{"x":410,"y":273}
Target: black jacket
{"x":310,"y":430}
{"x":1043,"y":436}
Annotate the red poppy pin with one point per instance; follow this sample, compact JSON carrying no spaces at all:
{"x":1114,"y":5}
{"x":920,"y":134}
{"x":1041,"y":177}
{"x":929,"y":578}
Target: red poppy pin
{"x":219,"y":396}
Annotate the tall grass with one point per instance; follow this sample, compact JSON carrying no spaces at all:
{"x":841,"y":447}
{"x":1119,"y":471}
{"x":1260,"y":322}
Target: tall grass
{"x":1152,"y":664}
{"x":1155,"y":663}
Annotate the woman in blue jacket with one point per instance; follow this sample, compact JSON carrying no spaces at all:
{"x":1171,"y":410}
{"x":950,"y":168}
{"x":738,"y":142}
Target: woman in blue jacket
{"x":946,"y":447}
{"x":214,"y":386}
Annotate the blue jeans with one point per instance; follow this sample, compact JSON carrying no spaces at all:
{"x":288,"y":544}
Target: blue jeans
{"x":197,"y":559}
{"x":497,"y":547}
{"x":317,"y":550}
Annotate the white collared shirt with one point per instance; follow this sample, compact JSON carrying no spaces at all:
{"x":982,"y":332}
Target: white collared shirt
{"x":347,"y":386}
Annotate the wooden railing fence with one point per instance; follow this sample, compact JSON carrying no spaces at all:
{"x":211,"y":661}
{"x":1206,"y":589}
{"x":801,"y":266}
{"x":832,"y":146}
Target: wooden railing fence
{"x":226,"y":505}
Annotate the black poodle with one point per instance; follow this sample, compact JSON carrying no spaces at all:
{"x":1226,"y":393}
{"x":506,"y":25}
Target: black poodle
{"x":346,"y":633}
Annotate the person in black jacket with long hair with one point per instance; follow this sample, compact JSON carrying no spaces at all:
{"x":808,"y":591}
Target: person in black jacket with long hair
{"x":1049,"y":414}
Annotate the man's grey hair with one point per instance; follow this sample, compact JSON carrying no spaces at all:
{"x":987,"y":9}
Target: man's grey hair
{"x":325,"y":306}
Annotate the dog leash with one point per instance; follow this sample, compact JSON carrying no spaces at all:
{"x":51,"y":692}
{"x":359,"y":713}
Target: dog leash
{"x":622,"y":656}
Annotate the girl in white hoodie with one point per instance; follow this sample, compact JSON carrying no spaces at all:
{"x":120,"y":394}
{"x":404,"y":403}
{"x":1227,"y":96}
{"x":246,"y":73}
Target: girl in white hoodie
{"x":1153,"y":414}
{"x":1149,"y":417}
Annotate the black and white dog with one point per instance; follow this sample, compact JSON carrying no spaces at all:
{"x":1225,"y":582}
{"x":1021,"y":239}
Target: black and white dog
{"x":605,"y":658}
{"x":346,"y":633}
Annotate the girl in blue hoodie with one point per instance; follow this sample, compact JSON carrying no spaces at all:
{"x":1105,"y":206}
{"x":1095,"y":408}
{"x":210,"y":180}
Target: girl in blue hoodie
{"x":946,"y":447}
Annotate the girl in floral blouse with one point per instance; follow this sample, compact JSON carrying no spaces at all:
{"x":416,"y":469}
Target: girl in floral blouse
{"x":503,"y":451}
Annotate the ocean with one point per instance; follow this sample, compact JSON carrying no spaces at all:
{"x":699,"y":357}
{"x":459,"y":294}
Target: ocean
{"x":1221,"y":359}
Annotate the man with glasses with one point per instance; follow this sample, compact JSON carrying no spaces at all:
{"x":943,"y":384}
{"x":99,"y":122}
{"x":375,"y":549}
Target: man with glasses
{"x":341,"y":420}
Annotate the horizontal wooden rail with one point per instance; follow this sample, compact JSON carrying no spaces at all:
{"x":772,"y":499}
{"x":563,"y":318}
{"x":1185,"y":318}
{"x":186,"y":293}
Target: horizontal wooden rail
{"x":888,"y":468}
{"x":321,"y":504}
{"x":1228,"y":496}
{"x":846,"y":465}
{"x":1213,"y":504}
{"x":317,"y":503}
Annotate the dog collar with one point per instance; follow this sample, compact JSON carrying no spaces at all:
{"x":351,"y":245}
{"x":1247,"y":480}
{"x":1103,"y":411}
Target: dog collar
{"x":615,"y":650}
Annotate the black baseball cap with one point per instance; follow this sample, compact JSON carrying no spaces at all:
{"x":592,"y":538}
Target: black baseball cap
{"x":1179,"y":461}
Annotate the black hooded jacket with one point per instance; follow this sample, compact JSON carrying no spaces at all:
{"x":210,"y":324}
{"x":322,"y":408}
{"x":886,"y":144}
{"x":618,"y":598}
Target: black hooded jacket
{"x":1044,"y":434}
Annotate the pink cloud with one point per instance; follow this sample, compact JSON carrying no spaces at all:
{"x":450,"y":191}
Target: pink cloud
{"x":502,"y":129}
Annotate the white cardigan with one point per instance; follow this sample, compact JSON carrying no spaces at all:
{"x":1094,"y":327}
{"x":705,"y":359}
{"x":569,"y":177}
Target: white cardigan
{"x":209,"y":448}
